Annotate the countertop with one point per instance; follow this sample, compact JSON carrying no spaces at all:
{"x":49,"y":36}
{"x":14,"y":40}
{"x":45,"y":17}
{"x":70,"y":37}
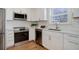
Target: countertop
{"x":64,"y":31}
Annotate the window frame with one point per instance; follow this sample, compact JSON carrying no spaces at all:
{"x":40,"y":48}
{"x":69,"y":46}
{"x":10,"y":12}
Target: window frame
{"x":69,"y":15}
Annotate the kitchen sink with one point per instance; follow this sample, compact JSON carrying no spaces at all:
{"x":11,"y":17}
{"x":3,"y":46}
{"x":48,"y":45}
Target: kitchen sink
{"x":55,"y":29}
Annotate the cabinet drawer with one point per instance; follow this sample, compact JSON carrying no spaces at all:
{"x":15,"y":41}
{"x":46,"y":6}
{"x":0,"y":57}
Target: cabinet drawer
{"x":9,"y":43}
{"x":71,"y":42}
{"x":70,"y":45}
{"x":73,"y":38}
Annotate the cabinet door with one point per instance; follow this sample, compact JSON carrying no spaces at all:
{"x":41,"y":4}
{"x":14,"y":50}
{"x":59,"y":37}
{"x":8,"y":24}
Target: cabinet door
{"x":75,"y":12}
{"x":32,"y":34}
{"x":9,"y":13}
{"x":71,"y":42}
{"x":17,"y":10}
{"x":57,"y":41}
{"x":41,"y":14}
{"x":9,"y":35}
{"x":33,"y":14}
{"x":46,"y":39}
{"x":20,"y":10}
{"x":37,"y":14}
{"x":23,"y":10}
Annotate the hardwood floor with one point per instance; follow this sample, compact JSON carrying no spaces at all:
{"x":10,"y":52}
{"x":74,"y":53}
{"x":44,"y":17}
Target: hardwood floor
{"x":31,"y":45}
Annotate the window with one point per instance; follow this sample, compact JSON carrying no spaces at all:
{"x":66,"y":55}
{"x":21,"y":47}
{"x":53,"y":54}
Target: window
{"x":59,"y":14}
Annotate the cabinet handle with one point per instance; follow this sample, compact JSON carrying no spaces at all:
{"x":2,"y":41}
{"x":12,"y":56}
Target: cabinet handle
{"x":49,"y":37}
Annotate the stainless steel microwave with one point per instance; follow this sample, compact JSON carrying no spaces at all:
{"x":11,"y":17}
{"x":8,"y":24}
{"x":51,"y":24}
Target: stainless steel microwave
{"x":19,"y":16}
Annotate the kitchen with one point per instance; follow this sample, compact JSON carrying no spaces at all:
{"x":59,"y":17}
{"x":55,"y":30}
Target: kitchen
{"x":56,"y":31}
{"x":14,"y":25}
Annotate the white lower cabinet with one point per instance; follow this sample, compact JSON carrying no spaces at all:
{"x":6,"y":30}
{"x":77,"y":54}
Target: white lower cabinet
{"x":32,"y":34}
{"x":57,"y":40}
{"x":46,"y":40}
{"x":9,"y":38}
{"x":53,"y":40}
{"x":71,"y":42}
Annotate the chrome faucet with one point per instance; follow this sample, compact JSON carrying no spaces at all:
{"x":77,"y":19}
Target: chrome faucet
{"x":57,"y":27}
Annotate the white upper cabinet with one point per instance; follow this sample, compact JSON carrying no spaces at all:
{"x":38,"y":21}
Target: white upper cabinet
{"x":46,"y":40}
{"x":21,"y":10}
{"x":33,"y":14}
{"x":37,"y":14}
{"x":9,"y":14}
{"x":41,"y":13}
{"x":75,"y":12}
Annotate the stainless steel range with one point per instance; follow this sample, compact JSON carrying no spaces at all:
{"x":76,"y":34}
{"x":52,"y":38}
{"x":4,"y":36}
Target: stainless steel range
{"x":21,"y":34}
